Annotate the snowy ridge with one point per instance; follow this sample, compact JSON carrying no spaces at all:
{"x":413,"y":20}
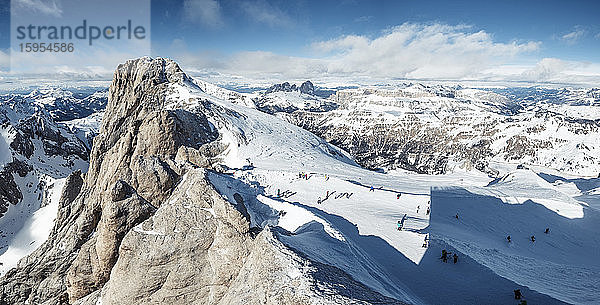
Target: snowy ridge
{"x":320,"y":203}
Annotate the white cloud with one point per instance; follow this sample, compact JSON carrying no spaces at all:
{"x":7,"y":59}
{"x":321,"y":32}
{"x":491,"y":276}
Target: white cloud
{"x":419,"y":51}
{"x":415,"y":51}
{"x":561,"y":71}
{"x":205,"y":12}
{"x":412,"y":51}
{"x":545,"y":70}
{"x":574,"y":36}
{"x":263,"y":12}
{"x":46,"y":7}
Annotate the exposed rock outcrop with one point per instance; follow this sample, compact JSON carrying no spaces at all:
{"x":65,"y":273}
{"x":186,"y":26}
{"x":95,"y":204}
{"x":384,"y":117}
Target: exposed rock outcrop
{"x":145,"y":226}
{"x":137,"y":143}
{"x":9,"y":190}
{"x":306,"y":87}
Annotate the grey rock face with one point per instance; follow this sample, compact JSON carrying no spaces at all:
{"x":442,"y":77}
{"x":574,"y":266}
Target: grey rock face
{"x":188,"y":252}
{"x":137,"y":143}
{"x":91,"y":269}
{"x":54,"y":143}
{"x":285,"y":87}
{"x":145,"y":226}
{"x":9,"y":190}
{"x":307,"y":88}
{"x":427,"y":128}
{"x":412,"y":147}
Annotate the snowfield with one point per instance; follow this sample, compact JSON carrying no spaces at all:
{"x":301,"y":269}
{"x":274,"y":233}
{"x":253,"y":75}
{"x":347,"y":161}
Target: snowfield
{"x":5,"y":155}
{"x":320,"y":203}
{"x":26,"y":226}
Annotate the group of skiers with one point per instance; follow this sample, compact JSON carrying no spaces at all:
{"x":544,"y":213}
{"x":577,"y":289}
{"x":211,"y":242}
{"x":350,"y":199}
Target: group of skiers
{"x":400,"y":224}
{"x":445,"y":255}
{"x":303,"y":175}
{"x":532,"y":238}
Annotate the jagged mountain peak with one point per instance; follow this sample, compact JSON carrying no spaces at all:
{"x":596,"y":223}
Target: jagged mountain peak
{"x":306,"y":87}
{"x":145,"y":176}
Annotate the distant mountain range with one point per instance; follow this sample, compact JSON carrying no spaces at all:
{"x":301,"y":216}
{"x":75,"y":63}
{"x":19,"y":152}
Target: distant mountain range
{"x":165,"y":189}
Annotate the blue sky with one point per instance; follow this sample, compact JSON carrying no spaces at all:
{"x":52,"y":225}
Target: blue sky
{"x":299,"y":23}
{"x":250,"y":40}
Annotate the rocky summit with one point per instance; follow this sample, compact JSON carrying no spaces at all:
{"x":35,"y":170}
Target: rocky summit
{"x":145,"y":225}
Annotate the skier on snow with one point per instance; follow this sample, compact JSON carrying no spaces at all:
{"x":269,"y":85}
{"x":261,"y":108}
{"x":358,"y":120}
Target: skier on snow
{"x":444,"y":256}
{"x":455,"y":258}
{"x":401,"y":223}
{"x":547,"y":230}
{"x":518,"y":294}
{"x":532,"y":238}
{"x":508,"y":238}
{"x":427,"y":211}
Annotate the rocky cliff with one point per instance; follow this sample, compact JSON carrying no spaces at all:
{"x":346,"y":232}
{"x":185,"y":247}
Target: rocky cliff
{"x":145,"y":226}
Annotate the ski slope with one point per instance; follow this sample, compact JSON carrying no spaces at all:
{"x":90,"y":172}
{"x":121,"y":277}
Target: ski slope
{"x":332,"y":216}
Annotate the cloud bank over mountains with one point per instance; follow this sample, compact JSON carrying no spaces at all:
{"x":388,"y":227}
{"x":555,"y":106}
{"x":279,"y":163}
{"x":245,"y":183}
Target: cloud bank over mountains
{"x":409,"y":51}
{"x":414,"y":51}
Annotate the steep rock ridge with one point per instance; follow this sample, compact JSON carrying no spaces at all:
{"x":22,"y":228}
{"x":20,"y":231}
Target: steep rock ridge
{"x":136,"y":142}
{"x":145,"y":226}
{"x":10,"y":193}
{"x":307,"y":88}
